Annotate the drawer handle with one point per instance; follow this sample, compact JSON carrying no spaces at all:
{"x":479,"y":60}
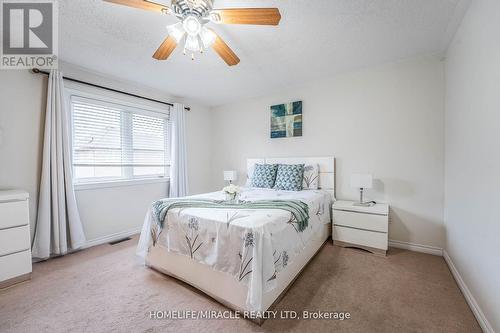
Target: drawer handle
{"x":346,"y":226}
{"x":9,"y":254}
{"x":356,"y":212}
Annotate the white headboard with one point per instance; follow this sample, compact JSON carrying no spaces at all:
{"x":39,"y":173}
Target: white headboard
{"x":326,"y":167}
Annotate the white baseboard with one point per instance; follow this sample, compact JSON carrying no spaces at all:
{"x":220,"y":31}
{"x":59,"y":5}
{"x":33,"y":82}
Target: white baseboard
{"x":437,"y":251}
{"x":111,"y":238}
{"x":478,"y":313}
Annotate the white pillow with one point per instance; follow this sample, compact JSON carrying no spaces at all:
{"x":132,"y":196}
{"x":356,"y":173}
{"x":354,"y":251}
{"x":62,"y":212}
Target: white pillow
{"x":250,"y":170}
{"x":311,"y":177}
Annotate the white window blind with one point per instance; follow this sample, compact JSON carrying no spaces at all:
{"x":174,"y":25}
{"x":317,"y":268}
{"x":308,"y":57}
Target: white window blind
{"x":117,"y":142}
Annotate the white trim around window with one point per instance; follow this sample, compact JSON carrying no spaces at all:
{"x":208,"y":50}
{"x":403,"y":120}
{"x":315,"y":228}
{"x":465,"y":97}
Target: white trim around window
{"x":126,"y":177}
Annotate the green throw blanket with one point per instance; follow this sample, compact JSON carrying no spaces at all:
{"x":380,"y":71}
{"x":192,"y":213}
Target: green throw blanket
{"x":299,"y":210}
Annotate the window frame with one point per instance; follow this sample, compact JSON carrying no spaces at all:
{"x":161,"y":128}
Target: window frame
{"x":134,"y":107}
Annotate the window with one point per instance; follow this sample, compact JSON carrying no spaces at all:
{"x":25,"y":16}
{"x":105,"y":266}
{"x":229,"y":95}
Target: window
{"x":113,"y":142}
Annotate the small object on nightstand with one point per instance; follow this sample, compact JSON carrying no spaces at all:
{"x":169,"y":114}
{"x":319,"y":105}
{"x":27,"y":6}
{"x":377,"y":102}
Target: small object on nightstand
{"x":364,"y":227}
{"x":361,"y":181}
{"x":232,"y":193}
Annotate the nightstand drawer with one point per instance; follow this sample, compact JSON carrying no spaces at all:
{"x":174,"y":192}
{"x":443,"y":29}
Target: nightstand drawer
{"x":13,"y":214}
{"x":360,"y":220}
{"x":361,"y":237}
{"x":14,"y":240}
{"x":14,"y":265}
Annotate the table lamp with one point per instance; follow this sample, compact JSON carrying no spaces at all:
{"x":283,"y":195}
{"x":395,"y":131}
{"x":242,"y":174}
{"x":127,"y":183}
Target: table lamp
{"x":230,"y":176}
{"x":361,"y":181}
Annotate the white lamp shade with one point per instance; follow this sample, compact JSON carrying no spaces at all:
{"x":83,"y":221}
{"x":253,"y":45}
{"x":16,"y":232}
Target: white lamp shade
{"x":192,"y":43}
{"x":176,"y":31}
{"x":208,"y":37}
{"x":230,"y":175}
{"x":361,"y":180}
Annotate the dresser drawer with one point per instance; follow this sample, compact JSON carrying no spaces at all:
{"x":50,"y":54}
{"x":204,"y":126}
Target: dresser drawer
{"x":14,"y":265}
{"x":14,"y":240}
{"x":360,"y":220}
{"x":13,"y":214}
{"x":361,"y":237}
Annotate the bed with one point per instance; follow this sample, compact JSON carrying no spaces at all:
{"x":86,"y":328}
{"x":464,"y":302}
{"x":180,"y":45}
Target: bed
{"x":243,"y":258}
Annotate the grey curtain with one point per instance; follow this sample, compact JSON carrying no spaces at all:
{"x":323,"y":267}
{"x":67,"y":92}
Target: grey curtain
{"x":58,"y":227}
{"x":178,"y":152}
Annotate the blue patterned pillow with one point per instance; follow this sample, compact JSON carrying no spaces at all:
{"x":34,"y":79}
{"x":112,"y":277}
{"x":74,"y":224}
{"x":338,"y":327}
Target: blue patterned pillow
{"x":289,"y":177}
{"x":264,"y":175}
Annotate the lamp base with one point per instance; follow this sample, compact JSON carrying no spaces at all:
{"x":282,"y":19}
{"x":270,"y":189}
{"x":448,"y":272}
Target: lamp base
{"x":361,"y":202}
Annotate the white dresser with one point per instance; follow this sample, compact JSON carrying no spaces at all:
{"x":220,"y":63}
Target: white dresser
{"x":15,"y":245}
{"x":362,"y":227}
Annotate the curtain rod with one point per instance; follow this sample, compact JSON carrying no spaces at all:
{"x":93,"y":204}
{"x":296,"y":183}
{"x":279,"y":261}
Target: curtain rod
{"x":37,"y":71}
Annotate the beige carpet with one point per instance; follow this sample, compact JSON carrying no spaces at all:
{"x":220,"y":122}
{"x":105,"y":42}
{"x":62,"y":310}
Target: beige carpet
{"x":106,"y":289}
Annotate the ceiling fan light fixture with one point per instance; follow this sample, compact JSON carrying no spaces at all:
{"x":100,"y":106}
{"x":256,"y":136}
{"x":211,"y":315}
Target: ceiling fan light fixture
{"x":192,"y":25}
{"x":193,"y":16}
{"x":176,"y":31}
{"x":192,"y":44}
{"x":208,"y":37}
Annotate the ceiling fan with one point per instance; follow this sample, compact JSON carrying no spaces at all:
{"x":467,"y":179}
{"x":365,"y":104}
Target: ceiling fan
{"x":193,"y":16}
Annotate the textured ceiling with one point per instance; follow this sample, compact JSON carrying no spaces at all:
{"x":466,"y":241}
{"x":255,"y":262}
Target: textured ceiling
{"x":316,"y":38}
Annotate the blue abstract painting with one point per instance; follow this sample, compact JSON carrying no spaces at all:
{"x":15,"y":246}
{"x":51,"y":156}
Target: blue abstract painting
{"x":286,"y":120}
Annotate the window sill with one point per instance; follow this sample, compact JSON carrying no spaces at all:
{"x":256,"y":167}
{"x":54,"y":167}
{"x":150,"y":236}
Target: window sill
{"x":118,"y":183}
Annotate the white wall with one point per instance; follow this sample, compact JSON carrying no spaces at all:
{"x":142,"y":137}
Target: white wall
{"x":22,"y":114}
{"x":472,"y":155}
{"x":199,"y":132}
{"x":104,"y":212}
{"x":386,"y":120}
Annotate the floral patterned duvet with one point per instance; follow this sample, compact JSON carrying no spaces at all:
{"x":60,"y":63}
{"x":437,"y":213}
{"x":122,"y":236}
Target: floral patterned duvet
{"x":254,"y":246}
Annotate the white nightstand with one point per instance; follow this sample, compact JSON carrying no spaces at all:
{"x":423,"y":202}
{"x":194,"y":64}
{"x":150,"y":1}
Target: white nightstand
{"x":361,"y":227}
{"x":15,"y":252}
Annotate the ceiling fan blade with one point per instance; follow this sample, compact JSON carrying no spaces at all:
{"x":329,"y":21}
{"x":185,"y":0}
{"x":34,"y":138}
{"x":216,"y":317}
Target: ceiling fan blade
{"x":165,"y":49}
{"x":225,"y":52}
{"x":259,"y":16}
{"x":142,"y":4}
